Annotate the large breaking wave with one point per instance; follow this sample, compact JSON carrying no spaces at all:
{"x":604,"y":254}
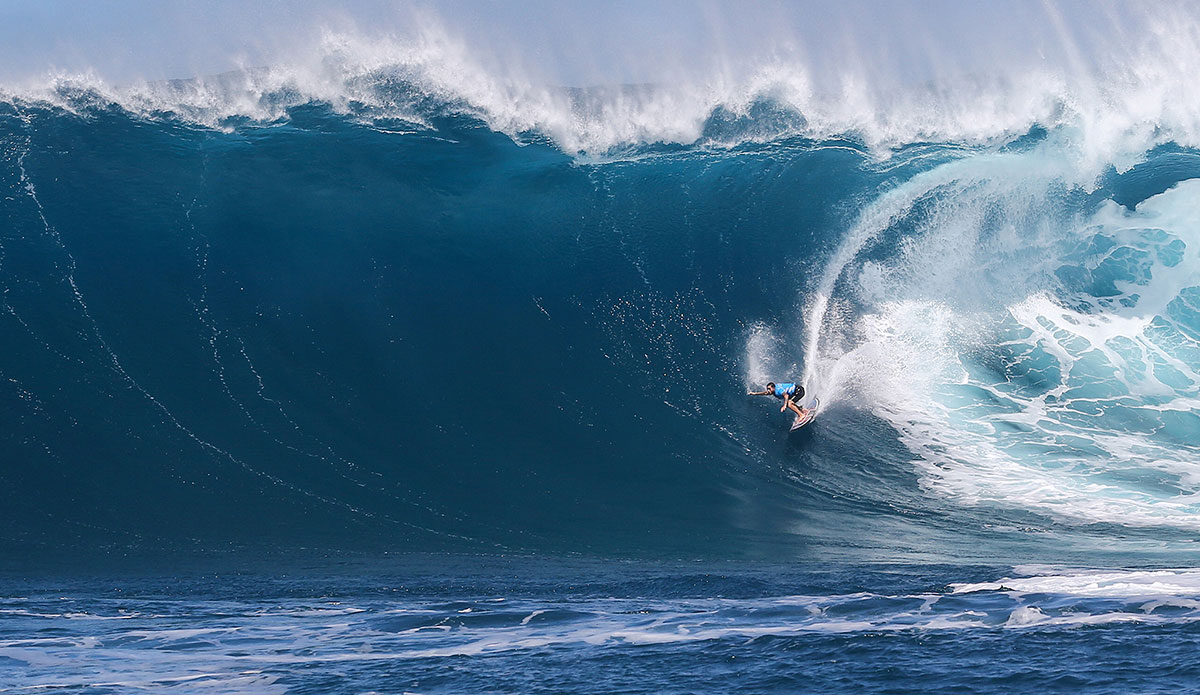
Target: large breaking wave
{"x":393,"y":297}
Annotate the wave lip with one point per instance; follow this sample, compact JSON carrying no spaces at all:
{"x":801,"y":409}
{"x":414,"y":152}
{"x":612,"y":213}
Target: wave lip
{"x":1120,"y":102}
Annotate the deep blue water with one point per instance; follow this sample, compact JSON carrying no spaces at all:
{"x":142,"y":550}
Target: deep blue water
{"x":442,"y":624}
{"x":330,"y":403}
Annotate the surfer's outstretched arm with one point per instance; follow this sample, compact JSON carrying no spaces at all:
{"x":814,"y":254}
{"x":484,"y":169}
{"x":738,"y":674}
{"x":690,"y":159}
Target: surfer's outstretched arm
{"x":760,"y":393}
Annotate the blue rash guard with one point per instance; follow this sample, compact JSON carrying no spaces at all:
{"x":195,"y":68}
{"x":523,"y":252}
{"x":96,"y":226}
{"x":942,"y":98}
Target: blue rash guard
{"x":782,"y":390}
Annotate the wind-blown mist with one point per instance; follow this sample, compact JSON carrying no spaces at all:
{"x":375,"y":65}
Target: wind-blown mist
{"x":602,"y":78}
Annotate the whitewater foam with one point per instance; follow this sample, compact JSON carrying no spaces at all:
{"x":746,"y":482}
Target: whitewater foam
{"x":1032,"y":357}
{"x":230,"y":645}
{"x":1118,"y":103}
{"x":1130,"y":584}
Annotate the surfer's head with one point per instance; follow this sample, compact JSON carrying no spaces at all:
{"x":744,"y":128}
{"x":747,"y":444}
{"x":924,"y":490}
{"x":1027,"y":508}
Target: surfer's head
{"x":770,"y":385}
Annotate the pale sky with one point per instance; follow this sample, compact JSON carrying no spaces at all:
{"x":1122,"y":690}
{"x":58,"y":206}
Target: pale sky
{"x":572,"y":42}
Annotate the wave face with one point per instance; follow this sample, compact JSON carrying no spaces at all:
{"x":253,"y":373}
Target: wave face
{"x":398,"y":308}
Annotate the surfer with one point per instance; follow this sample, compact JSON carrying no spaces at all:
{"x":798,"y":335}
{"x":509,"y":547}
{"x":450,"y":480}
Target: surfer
{"x":790,"y":393}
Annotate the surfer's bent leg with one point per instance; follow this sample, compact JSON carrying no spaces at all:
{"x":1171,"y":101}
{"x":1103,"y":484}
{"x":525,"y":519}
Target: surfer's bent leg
{"x":794,"y":405}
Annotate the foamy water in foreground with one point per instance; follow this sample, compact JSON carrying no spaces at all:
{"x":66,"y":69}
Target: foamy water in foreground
{"x":549,"y":626}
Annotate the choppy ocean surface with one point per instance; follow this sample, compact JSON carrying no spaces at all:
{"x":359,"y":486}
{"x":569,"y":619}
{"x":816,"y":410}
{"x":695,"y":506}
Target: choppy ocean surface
{"x":433,"y":383}
{"x":451,"y":624}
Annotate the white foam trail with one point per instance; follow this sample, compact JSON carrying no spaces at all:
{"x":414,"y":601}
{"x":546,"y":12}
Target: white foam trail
{"x":1031,"y":359}
{"x":882,"y":214}
{"x":1128,"y":584}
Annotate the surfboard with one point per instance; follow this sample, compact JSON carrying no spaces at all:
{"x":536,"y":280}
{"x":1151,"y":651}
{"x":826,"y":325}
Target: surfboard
{"x":812,"y":415}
